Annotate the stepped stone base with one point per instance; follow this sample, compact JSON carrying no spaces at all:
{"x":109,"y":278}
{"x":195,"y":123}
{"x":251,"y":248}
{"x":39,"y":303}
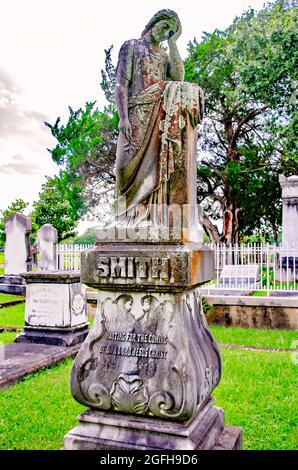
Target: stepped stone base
{"x":12,"y":284}
{"x":53,"y":336}
{"x":99,"y":430}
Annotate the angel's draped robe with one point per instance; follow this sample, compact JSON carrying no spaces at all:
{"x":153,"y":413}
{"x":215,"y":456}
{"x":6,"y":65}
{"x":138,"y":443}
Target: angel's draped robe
{"x":159,"y":112}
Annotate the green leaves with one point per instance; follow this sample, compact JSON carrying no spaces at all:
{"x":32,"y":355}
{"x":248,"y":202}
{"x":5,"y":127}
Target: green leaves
{"x":17,"y":206}
{"x":57,"y":206}
{"x":249,"y":76}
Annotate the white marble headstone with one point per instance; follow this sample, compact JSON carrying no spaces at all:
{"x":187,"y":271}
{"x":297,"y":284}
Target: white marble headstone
{"x":240,"y":275}
{"x":290,"y":210}
{"x":17,"y":247}
{"x":55,"y":305}
{"x":47,"y":237}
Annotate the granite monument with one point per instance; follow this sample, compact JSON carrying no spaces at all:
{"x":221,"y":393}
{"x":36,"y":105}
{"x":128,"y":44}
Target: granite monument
{"x":149,"y":364}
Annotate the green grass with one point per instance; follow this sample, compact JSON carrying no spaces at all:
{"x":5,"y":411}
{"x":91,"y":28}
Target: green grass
{"x":8,"y":337}
{"x":39,"y":411}
{"x":1,"y":271}
{"x":260,"y":293}
{"x":1,"y":257}
{"x":256,"y":337}
{"x":258,"y":392}
{"x":8,"y":297}
{"x":12,"y":316}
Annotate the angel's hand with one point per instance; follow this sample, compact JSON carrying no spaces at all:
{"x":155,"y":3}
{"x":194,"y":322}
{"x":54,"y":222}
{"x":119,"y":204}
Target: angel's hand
{"x":175,"y":36}
{"x":125,"y":128}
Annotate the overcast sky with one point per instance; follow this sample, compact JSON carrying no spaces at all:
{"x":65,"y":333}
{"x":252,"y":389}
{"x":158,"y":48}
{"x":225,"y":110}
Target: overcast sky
{"x":51,"y":53}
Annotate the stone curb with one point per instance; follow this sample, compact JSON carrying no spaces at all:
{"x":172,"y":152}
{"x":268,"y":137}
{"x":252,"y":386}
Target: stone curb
{"x":42,"y":357}
{"x":11,"y":303}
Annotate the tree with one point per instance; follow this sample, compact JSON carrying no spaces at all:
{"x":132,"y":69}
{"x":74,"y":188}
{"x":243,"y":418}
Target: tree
{"x":246,"y":73}
{"x":17,"y":206}
{"x":55,"y":207}
{"x":86,"y":145}
{"x":87,"y":238}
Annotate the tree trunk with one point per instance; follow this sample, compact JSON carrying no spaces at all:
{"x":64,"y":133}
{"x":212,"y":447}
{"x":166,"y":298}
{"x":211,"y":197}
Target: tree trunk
{"x":210,"y":229}
{"x":230,"y":219}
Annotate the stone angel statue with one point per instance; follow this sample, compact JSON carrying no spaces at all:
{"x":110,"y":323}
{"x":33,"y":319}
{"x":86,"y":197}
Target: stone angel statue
{"x":159,"y":113}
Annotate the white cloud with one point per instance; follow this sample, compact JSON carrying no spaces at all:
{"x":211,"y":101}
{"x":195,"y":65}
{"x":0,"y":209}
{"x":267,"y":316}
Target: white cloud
{"x":52,"y":53}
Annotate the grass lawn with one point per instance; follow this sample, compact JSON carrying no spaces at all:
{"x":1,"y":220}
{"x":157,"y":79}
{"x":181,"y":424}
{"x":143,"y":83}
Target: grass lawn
{"x":8,"y":337}
{"x":256,"y":337}
{"x":260,"y":293}
{"x":8,"y":297}
{"x":37,"y":413}
{"x":257,"y":392}
{"x":12,"y":316}
{"x":1,"y":257}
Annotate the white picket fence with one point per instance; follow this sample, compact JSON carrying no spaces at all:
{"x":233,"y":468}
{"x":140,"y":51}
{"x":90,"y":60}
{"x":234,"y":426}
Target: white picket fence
{"x":68,"y":257}
{"x":278,"y":265}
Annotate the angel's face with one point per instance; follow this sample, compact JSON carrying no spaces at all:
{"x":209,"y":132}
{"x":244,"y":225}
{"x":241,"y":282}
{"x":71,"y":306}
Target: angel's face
{"x":163,"y":30}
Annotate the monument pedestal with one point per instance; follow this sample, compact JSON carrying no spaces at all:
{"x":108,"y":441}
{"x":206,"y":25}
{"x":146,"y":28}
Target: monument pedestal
{"x":100,"y":430}
{"x":56,"y":309}
{"x":149,"y":364}
{"x":12,"y":284}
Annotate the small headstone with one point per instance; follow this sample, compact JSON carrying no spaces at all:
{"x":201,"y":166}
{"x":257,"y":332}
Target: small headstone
{"x":47,"y":237}
{"x":244,"y":275}
{"x":17,"y":253}
{"x":56,"y":309}
{"x":17,"y":247}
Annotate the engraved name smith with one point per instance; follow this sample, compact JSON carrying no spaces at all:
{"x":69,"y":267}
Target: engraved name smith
{"x":134,"y":267}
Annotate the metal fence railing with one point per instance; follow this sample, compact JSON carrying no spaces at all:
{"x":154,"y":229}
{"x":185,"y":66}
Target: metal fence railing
{"x":68,"y":257}
{"x":256,"y":267}
{"x":260,"y":267}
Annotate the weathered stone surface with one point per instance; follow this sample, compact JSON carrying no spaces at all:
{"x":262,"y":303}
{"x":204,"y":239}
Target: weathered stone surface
{"x":47,"y":237}
{"x":105,"y":431}
{"x":20,"y":359}
{"x":254,"y":312}
{"x":147,"y":354}
{"x":230,"y":439}
{"x":150,"y":354}
{"x":147,"y":266}
{"x":12,"y":284}
{"x":55,"y":305}
{"x":17,"y":250}
{"x":56,"y":309}
{"x":52,"y":277}
{"x":158,"y":120}
{"x":65,"y":337}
